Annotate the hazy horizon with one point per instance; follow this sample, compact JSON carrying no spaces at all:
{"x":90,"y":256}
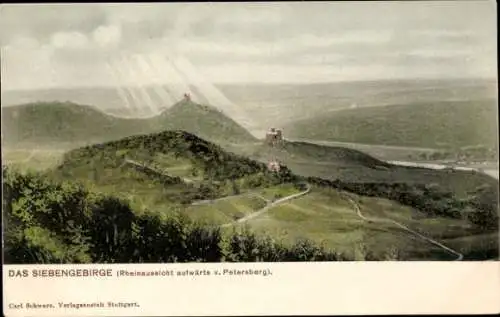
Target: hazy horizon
{"x":469,"y":80}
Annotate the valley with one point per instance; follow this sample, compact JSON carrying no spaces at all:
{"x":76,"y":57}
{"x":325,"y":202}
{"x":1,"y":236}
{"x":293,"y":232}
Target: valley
{"x":196,"y":173}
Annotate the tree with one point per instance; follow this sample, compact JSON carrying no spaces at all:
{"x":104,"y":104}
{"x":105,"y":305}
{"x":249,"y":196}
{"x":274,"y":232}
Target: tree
{"x":484,"y":200}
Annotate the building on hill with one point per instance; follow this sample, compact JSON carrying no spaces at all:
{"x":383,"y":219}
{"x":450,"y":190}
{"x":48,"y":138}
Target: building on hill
{"x":187,"y":97}
{"x":274,"y":166}
{"x":274,"y":136}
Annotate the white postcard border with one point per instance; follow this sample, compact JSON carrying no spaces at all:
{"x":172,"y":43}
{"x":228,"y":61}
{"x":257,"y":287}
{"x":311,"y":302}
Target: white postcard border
{"x":314,"y":288}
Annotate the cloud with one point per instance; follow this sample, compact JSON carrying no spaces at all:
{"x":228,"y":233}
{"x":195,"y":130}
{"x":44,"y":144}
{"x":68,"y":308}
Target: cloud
{"x":25,"y":66}
{"x":41,"y":21}
{"x":22,"y":42}
{"x":436,"y":53}
{"x":275,"y":41}
{"x":276,"y":73}
{"x":71,"y":40}
{"x":226,"y":49}
{"x":321,"y":59}
{"x":109,"y":35}
{"x":378,"y":37}
{"x":302,"y":48}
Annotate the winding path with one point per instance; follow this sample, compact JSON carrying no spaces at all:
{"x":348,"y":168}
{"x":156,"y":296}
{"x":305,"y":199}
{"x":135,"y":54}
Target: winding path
{"x":358,"y":212}
{"x":211,"y":201}
{"x":268,"y":206}
{"x":154,"y":170}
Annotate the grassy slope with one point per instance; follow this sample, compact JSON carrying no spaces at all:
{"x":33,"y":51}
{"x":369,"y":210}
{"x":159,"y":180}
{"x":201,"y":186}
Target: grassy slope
{"x":450,"y":124}
{"x":174,"y":153}
{"x":205,"y":121}
{"x":349,"y":165}
{"x":455,"y":233}
{"x":313,"y":160}
{"x":63,"y":123}
{"x":177,"y":144}
{"x":68,"y":123}
{"x":325,"y":217}
{"x":228,"y":210}
{"x":457,"y":182}
{"x":224,"y":211}
{"x":308,"y":153}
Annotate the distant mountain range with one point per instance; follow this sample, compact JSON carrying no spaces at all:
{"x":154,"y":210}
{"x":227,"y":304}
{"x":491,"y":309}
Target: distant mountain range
{"x":274,"y":104}
{"x":418,"y":113}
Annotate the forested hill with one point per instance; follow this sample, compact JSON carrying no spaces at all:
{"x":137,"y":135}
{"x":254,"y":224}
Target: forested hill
{"x":446,"y":124}
{"x":58,"y":122}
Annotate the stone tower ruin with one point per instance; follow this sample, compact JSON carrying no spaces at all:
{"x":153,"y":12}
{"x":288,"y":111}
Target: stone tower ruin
{"x":274,"y":137}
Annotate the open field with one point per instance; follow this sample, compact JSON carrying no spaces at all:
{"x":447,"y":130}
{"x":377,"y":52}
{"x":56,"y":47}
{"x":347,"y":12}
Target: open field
{"x":225,"y":211}
{"x":454,"y":233}
{"x":325,"y":217}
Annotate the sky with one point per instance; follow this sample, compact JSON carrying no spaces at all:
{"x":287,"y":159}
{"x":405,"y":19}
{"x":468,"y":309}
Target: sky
{"x":73,"y":45}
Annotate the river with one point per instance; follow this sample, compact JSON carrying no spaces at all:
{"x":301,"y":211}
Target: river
{"x":391,"y":153}
{"x":490,"y":169}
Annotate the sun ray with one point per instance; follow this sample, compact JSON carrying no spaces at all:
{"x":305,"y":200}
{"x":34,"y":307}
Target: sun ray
{"x":139,"y":83}
{"x":118,"y":66}
{"x":176,"y":82}
{"x":214,"y":96}
{"x":158,"y":87}
{"x":119,"y":87}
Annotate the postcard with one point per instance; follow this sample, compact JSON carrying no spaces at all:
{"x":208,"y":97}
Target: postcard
{"x":250,"y":158}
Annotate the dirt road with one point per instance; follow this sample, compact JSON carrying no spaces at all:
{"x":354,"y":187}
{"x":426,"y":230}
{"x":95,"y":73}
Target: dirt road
{"x":141,"y":165}
{"x":269,"y":206}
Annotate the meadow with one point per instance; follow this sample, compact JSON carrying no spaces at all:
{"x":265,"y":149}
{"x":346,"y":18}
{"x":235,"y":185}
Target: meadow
{"x":327,"y":218}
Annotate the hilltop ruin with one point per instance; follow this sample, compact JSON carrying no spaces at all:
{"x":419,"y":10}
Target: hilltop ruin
{"x":274,"y":137}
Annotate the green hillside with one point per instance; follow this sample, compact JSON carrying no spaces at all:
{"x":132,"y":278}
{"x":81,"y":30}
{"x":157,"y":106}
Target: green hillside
{"x":179,"y":167}
{"x":143,"y":179}
{"x":48,"y":222}
{"x":204,"y":121}
{"x":352,"y":166}
{"x":168,"y":167}
{"x":326,"y":216}
{"x":51,"y":123}
{"x":63,"y":123}
{"x":447,"y":124}
{"x":160,"y":148}
{"x":312,"y":153}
